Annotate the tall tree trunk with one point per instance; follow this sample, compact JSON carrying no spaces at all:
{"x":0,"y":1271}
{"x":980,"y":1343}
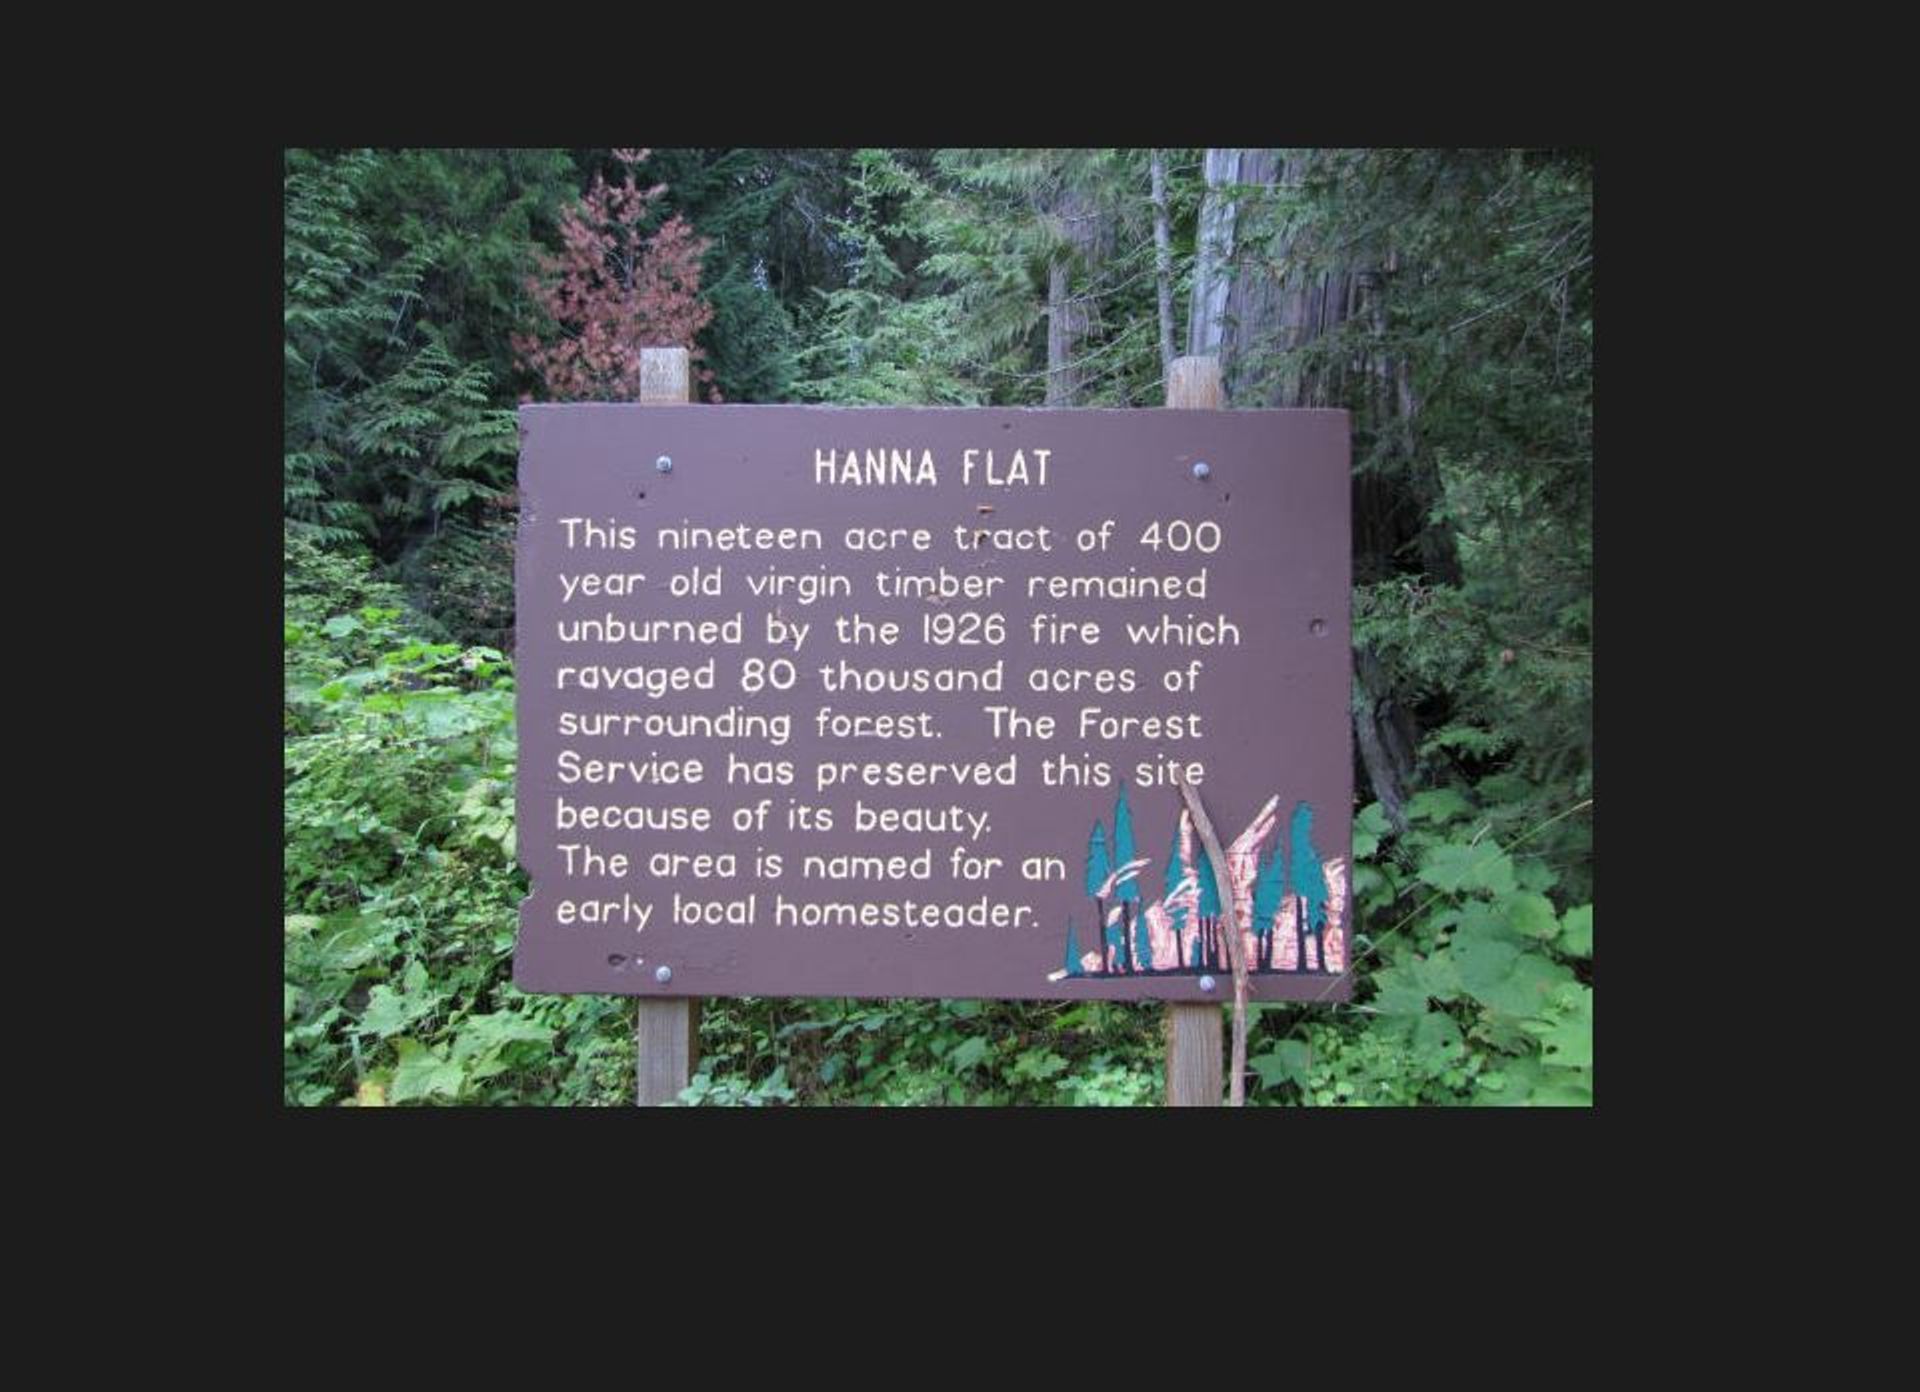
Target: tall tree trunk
{"x":1253,"y":292}
{"x":1162,"y":257}
{"x":1068,"y":315}
{"x":1258,"y":300}
{"x":1207,"y":306}
{"x":1062,"y":389}
{"x":1281,"y":283}
{"x":1397,"y":408}
{"x":1386,"y":735}
{"x":1314,"y":301}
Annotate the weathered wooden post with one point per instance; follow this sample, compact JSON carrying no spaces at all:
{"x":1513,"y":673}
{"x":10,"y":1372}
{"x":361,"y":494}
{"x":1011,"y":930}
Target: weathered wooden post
{"x":666,"y":1032}
{"x":1193,"y":1031}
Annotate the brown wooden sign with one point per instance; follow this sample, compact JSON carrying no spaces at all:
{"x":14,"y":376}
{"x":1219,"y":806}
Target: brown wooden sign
{"x":890,"y":702}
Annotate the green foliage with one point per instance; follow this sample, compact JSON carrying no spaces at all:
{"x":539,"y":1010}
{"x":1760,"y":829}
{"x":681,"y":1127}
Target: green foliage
{"x":926,"y":1053}
{"x":1481,"y":993}
{"x":996,"y":222}
{"x":922,"y":277}
{"x":402,"y":278}
{"x":1490,"y":314}
{"x":869,"y":342}
{"x":401,"y":887}
{"x":471,"y":219}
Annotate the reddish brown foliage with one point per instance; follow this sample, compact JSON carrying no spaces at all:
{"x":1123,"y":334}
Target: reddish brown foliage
{"x":613,"y":290}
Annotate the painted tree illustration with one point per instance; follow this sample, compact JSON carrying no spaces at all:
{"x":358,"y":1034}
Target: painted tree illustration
{"x":1073,"y":951}
{"x":1099,"y":867}
{"x":1128,"y":893}
{"x":1309,"y":885}
{"x":1208,"y":909}
{"x":1176,"y":912}
{"x":1268,"y":891}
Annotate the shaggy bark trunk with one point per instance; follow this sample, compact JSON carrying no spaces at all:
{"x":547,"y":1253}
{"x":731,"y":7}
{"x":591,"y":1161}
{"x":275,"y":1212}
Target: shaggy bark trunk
{"x":1062,"y":389}
{"x":1068,"y":315}
{"x":1386,"y":735}
{"x":1162,"y":257}
{"x":1207,"y":307}
{"x":1253,"y":291}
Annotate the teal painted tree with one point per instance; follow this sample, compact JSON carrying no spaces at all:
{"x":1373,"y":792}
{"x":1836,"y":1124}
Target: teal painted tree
{"x":1309,"y":885}
{"x":1099,"y":866}
{"x":1128,"y":892}
{"x":1268,"y":890}
{"x":1208,"y":910}
{"x":1072,"y":962}
{"x":1177,"y":913}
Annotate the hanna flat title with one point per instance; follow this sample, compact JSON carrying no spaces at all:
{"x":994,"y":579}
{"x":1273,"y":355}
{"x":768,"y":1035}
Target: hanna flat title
{"x":868,"y":468}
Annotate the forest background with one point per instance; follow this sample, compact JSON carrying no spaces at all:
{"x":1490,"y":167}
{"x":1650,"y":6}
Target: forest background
{"x":1443,"y":297}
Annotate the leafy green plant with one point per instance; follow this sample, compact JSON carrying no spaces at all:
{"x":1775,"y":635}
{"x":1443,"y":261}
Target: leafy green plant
{"x":401,"y":888}
{"x":1483,"y":992}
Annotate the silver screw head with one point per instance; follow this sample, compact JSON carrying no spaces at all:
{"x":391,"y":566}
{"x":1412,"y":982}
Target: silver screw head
{"x":1207,"y":983}
{"x":663,"y":464}
{"x":1201,"y":468}
{"x":663,"y":973}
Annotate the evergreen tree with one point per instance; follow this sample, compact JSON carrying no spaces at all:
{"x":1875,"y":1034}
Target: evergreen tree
{"x":399,"y":269}
{"x":1128,"y":891}
{"x":339,"y":301}
{"x":1072,"y":962}
{"x":1051,"y":255}
{"x":882,"y":339}
{"x":477,"y":219}
{"x":1099,"y":867}
{"x":1309,"y":885}
{"x":1268,"y":890}
{"x":1176,"y":872}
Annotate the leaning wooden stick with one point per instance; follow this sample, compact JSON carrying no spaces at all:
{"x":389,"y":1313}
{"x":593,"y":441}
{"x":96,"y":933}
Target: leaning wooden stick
{"x":1236,"y":946}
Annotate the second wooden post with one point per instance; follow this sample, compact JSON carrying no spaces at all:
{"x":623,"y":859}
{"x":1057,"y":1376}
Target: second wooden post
{"x":1194,"y":1059}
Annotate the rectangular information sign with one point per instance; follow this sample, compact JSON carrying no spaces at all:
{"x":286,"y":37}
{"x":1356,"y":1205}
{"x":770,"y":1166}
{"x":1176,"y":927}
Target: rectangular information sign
{"x":890,"y":702}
